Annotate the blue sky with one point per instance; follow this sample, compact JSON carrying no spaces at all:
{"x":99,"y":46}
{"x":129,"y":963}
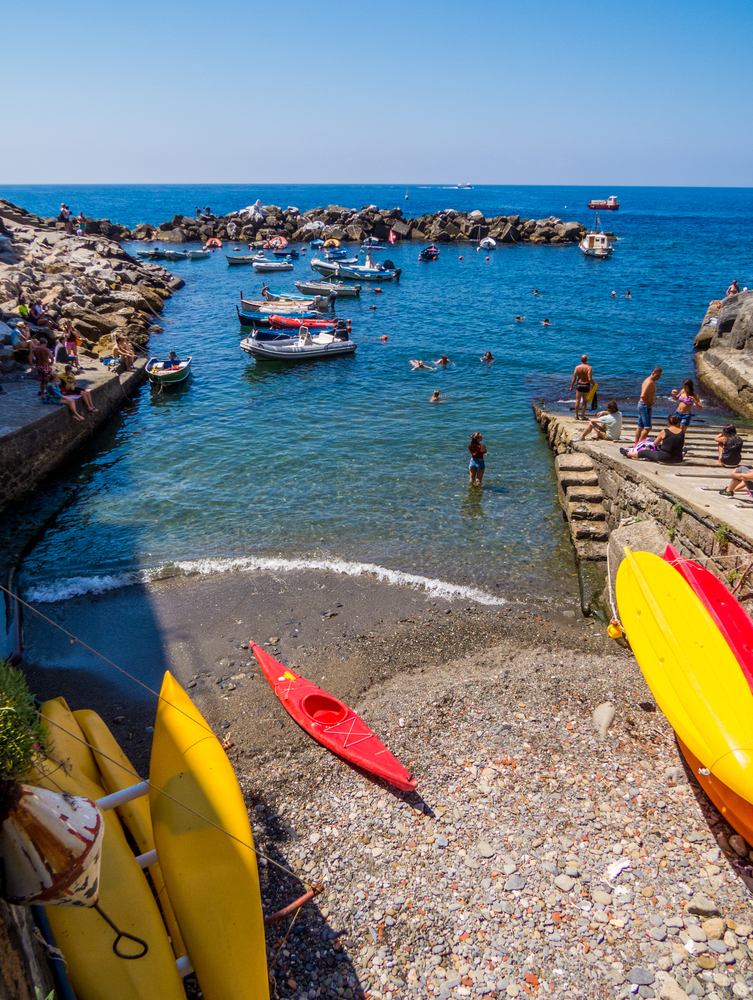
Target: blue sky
{"x":486,"y":91}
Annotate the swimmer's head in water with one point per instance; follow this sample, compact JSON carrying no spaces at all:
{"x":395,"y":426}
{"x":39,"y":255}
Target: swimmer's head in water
{"x":435,"y":394}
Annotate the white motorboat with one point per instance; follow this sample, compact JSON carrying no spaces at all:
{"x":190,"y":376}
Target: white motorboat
{"x":325,"y":287}
{"x":368,"y":271}
{"x":271,"y":265}
{"x":278,"y":306}
{"x":488,"y":243}
{"x":304,"y":347}
{"x":596,"y":244}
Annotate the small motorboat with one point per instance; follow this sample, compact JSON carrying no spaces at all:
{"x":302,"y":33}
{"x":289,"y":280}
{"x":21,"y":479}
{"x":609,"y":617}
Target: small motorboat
{"x":429,"y":253}
{"x":325,"y":287}
{"x":175,"y":255}
{"x":276,"y":306}
{"x":488,"y":243}
{"x":368,"y":271}
{"x":296,"y":322}
{"x":168,"y":372}
{"x":331,"y":722}
{"x":372,"y":243}
{"x":272,"y":265}
{"x":252,"y":317}
{"x":338,"y":253}
{"x":155,"y":254}
{"x":199,"y":254}
{"x":596,"y":244}
{"x":610,"y":204}
{"x":286,"y":253}
{"x":286,"y":296}
{"x":465,"y":187}
{"x":316,"y":244}
{"x":304,"y":347}
{"x":245,"y":259}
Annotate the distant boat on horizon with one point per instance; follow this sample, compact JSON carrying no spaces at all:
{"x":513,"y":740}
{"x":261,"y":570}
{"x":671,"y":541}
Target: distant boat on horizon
{"x":465,"y":187}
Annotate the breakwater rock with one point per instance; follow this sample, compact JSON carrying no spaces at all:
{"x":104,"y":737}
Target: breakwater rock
{"x":724,"y":352}
{"x":259,"y":222}
{"x":88,"y":279}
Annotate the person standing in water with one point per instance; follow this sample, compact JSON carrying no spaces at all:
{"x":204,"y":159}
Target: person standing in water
{"x":477,"y":465}
{"x":584,"y":377}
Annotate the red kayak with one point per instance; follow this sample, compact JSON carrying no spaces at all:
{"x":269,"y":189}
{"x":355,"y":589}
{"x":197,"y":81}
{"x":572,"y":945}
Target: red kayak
{"x":331,"y":722}
{"x":728,"y":614}
{"x":286,"y":322}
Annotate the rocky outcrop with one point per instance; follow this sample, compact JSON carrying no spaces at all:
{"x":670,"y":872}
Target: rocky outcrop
{"x":89,"y":279}
{"x":259,"y":222}
{"x":724,"y":352}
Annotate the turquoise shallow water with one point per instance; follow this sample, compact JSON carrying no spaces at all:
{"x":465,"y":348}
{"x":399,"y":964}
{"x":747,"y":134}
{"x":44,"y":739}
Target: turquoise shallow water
{"x":347,"y":459}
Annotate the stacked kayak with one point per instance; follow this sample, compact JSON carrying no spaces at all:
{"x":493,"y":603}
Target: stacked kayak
{"x":193,"y":832}
{"x":331,"y":722}
{"x":693,"y":670}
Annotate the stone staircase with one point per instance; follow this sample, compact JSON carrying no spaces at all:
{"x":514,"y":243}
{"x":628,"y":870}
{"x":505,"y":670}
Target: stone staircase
{"x":583,"y":505}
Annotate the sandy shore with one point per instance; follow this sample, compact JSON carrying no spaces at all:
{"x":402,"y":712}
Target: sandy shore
{"x":492,"y":878}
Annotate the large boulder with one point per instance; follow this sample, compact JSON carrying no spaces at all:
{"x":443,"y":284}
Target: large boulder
{"x":401,"y":230}
{"x":724,"y":359}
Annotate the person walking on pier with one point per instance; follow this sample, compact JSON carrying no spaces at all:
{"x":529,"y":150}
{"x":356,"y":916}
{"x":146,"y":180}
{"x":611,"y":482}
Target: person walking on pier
{"x":584,"y":377}
{"x":646,"y":404}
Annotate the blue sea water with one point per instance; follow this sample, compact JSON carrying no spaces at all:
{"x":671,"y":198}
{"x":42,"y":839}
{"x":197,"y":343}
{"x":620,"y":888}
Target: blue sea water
{"x":347,"y":460}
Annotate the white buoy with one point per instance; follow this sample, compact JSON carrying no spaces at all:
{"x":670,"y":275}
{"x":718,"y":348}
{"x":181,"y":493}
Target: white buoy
{"x":51,"y":844}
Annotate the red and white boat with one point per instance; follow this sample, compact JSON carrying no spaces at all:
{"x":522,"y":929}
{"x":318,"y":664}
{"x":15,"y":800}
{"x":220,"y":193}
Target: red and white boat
{"x":609,"y":205}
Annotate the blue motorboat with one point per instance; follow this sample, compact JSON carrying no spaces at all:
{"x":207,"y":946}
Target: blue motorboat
{"x":317,"y":244}
{"x":286,"y":252}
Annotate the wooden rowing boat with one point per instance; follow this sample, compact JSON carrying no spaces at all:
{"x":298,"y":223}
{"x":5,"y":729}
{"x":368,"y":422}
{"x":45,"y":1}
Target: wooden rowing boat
{"x":331,"y":722}
{"x":166,"y":372}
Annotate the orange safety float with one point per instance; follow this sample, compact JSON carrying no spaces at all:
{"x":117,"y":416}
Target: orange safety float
{"x":212,"y":244}
{"x":331,"y":243}
{"x":276,"y":243}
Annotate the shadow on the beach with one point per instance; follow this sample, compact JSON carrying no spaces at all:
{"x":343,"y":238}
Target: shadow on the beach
{"x":304,"y":949}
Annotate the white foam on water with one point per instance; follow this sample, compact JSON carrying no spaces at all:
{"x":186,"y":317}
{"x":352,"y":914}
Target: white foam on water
{"x":62,"y":590}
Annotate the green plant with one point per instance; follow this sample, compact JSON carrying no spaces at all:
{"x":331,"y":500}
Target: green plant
{"x":22,"y":735}
{"x":677,"y":509}
{"x":38,"y":992}
{"x":671,"y":534}
{"x":733,"y":575}
{"x":722,"y":535}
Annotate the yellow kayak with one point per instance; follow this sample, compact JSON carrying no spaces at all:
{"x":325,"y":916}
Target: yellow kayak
{"x":687,"y":663}
{"x":86,"y":941}
{"x":117,"y":773}
{"x":211,"y":878}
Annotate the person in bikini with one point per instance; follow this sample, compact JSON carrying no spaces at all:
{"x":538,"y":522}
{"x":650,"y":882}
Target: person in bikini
{"x":686,"y":399}
{"x":582,"y":380}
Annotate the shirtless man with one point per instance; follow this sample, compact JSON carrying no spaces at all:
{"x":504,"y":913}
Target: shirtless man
{"x":443,"y":361}
{"x":645,"y":404}
{"x":584,"y":376}
{"x":41,"y":360}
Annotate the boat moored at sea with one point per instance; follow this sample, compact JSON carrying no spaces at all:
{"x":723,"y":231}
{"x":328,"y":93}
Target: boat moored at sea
{"x":610,"y":204}
{"x":168,"y":371}
{"x":199,"y":254}
{"x":175,"y":255}
{"x":154,"y":254}
{"x":271,"y":265}
{"x":368,"y":271}
{"x":304,"y":347}
{"x":253,"y":317}
{"x":313,"y":323}
{"x":286,"y":296}
{"x":596,"y":244}
{"x":429,"y":253}
{"x":246,"y":259}
{"x":326,"y":287}
{"x":488,"y":243}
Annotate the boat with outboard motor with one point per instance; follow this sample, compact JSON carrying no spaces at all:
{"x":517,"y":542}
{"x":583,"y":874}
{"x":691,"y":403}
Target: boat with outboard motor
{"x":168,"y":372}
{"x":488,"y":243}
{"x":246,"y":259}
{"x":372,"y":243}
{"x":271,"y":265}
{"x":326,"y":287}
{"x":154,"y":254}
{"x":304,"y":347}
{"x":198,"y":254}
{"x":278,"y":305}
{"x":368,"y":271}
{"x":429,"y":253}
{"x":252,"y":317}
{"x":285,"y":253}
{"x":296,"y":322}
{"x":175,"y":255}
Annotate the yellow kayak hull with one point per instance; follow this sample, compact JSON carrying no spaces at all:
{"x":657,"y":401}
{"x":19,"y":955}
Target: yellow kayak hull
{"x":117,"y":773}
{"x":211,"y":878}
{"x":687,"y":663}
{"x":86,"y":941}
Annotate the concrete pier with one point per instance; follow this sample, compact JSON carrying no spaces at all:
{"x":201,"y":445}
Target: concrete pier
{"x":599,"y":488}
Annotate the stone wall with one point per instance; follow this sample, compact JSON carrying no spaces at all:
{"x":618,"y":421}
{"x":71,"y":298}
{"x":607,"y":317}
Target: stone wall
{"x":30,"y":453}
{"x":626,"y":492}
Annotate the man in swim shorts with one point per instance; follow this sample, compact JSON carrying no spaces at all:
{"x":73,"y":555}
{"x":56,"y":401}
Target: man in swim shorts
{"x":646,"y":404}
{"x":584,"y":377}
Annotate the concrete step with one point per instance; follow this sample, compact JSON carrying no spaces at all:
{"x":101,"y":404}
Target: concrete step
{"x":573,"y":463}
{"x":568,"y":479}
{"x":590,"y":551}
{"x":594,"y":530}
{"x":584,"y":511}
{"x":583,"y":491}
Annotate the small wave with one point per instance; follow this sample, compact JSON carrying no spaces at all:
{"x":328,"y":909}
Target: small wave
{"x":63,"y":590}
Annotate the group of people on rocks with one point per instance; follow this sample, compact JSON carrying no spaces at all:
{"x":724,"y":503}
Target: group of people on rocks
{"x":72,"y":224}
